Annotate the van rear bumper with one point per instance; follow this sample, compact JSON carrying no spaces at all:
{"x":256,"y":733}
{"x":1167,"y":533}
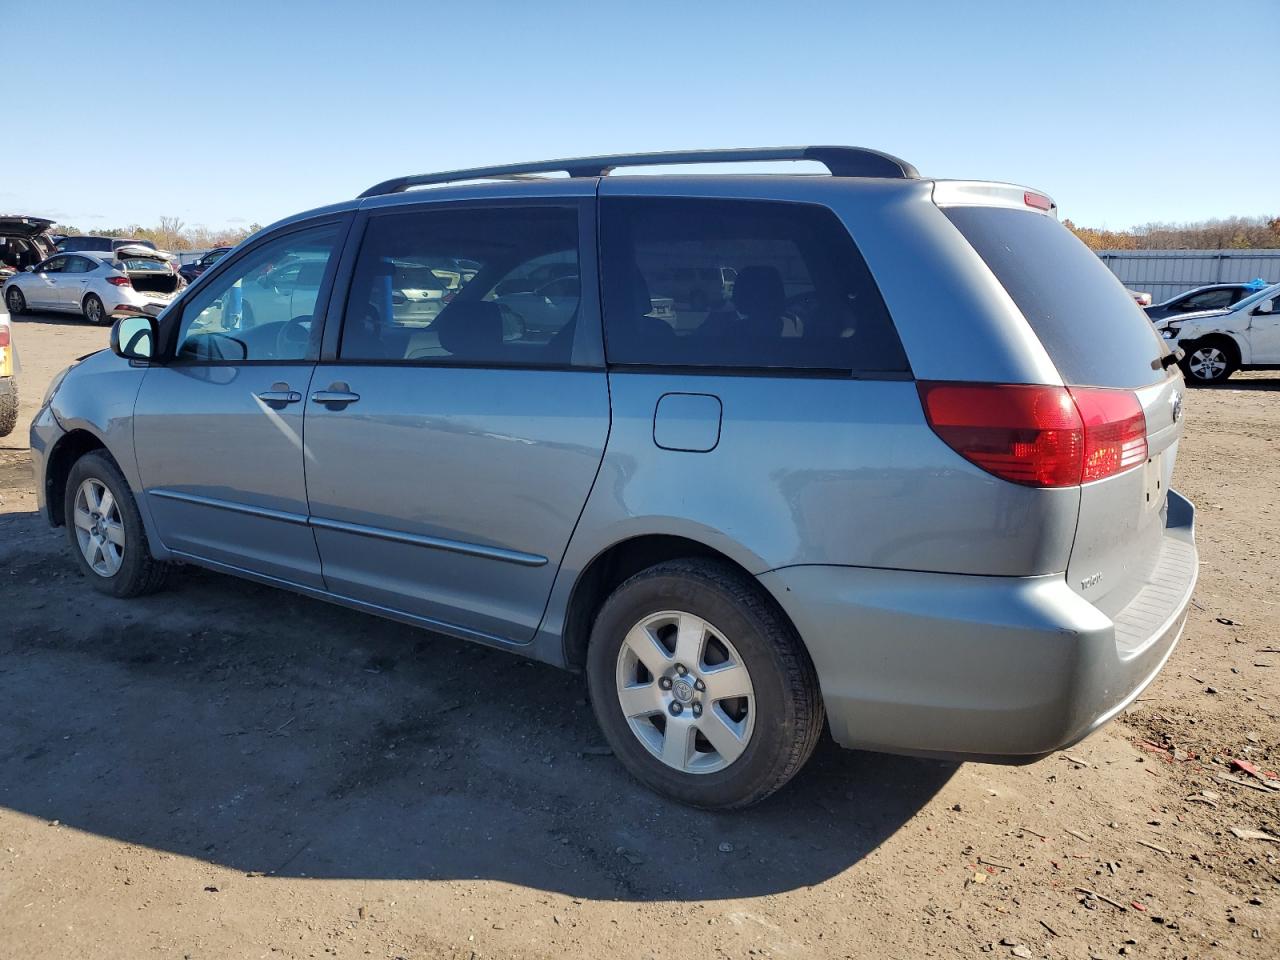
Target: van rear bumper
{"x":1000,"y":669}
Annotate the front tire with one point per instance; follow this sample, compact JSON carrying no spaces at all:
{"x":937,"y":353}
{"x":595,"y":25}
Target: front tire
{"x":106,"y":532}
{"x":701,"y":685}
{"x":93,"y":309}
{"x":1208,"y":362}
{"x":16,"y":302}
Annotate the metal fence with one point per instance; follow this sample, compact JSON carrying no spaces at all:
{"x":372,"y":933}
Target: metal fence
{"x":1164,"y":273}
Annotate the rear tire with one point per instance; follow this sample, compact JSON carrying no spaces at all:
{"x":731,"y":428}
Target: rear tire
{"x":1209,"y":361}
{"x":8,"y":405}
{"x":16,"y":302}
{"x":93,"y":309}
{"x":107,"y":537}
{"x":701,"y":685}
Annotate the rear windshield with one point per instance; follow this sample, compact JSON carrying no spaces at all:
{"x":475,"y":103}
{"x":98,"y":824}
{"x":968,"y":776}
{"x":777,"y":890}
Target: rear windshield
{"x":1093,"y":331}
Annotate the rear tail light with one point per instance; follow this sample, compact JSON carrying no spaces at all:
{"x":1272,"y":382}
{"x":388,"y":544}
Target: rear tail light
{"x":1115,"y":431}
{"x":120,"y":281}
{"x":1039,"y":436}
{"x":4,"y":336}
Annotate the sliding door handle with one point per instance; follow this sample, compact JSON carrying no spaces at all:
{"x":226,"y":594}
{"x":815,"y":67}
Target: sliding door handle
{"x":337,"y":395}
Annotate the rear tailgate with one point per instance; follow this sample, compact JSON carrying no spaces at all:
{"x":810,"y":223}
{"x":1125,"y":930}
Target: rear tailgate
{"x":153,"y":277}
{"x":1096,"y":336}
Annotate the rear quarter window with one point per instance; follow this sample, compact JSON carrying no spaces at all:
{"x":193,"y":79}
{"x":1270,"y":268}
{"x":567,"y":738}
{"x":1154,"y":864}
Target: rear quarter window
{"x":745,"y":284}
{"x":1091,"y":328}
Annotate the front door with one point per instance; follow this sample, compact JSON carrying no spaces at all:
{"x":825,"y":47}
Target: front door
{"x":218,"y":429}
{"x":1264,"y":333}
{"x":449,"y":455}
{"x":46,"y":291}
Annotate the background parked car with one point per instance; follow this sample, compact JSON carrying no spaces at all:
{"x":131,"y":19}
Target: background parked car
{"x":94,"y":284}
{"x":1217,"y":343}
{"x":107,"y":245}
{"x":24,"y":242}
{"x":190,"y":271}
{"x":1213,"y":296}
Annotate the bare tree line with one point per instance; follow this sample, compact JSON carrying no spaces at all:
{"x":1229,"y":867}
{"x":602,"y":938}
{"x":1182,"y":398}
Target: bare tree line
{"x":172,"y":233}
{"x":1227,"y":233}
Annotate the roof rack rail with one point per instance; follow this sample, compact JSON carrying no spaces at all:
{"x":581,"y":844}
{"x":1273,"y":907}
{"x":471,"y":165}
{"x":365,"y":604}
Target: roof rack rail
{"x":841,"y":161}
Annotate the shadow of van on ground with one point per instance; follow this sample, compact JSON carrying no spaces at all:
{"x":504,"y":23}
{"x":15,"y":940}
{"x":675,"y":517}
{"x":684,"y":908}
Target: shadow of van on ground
{"x":267,"y":732}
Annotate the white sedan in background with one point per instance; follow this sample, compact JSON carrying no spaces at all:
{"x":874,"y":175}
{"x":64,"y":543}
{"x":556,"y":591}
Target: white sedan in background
{"x":95,"y":285}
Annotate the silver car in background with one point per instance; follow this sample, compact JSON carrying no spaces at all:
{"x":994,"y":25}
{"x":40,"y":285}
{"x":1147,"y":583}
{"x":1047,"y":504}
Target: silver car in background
{"x":905,"y":478}
{"x":133,"y":279}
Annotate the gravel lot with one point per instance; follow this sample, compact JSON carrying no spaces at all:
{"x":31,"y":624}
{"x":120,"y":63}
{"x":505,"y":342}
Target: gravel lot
{"x":223,"y":770}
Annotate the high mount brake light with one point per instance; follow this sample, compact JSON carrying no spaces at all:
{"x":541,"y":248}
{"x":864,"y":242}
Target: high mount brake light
{"x":1037,"y":200}
{"x":1039,"y":436}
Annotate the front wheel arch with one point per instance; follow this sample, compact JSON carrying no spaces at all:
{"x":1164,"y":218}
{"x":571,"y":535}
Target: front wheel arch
{"x":61,"y":459}
{"x":1227,"y":344}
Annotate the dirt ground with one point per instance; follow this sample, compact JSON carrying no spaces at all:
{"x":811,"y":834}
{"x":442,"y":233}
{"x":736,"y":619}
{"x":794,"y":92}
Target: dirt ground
{"x":223,"y":770}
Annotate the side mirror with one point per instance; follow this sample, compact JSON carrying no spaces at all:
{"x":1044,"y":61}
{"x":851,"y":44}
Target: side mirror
{"x":1266,"y":306}
{"x":134,"y":338}
{"x":31,"y":268}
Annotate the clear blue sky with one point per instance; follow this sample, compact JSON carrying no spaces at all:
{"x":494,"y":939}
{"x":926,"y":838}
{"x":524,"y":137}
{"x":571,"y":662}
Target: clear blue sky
{"x":229,"y":112}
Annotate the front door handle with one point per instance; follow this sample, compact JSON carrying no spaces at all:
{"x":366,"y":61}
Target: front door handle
{"x":338,"y":395}
{"x":279,"y":393}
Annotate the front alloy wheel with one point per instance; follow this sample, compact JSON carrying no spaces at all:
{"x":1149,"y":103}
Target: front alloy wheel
{"x":106,"y":531}
{"x":685,"y":691}
{"x":99,"y":528}
{"x":1208,"y":363}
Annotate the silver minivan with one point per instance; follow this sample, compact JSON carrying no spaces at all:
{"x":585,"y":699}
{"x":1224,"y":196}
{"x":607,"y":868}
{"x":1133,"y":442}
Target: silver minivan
{"x":906,"y":480}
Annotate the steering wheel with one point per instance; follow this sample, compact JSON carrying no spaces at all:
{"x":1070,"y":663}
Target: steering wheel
{"x":293,"y":337}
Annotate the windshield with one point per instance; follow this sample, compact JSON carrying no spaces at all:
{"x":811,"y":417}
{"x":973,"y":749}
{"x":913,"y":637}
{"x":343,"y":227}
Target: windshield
{"x":1271,"y":292}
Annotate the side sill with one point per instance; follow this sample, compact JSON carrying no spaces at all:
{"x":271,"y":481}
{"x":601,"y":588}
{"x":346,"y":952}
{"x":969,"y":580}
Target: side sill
{"x":389,"y":613}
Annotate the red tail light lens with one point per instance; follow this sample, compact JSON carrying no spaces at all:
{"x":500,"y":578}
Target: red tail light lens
{"x":120,"y":281}
{"x":1038,"y":436}
{"x":4,"y":336}
{"x":1115,"y":431}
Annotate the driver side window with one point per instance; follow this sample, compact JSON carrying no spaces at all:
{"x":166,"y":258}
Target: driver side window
{"x":261,"y":308}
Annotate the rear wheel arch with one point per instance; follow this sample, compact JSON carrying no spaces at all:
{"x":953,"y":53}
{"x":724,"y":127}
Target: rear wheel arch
{"x":89,"y":312}
{"x":62,"y":458}
{"x":616,"y":564}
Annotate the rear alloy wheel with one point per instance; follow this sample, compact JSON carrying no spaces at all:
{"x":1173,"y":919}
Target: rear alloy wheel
{"x":106,"y":530}
{"x":93,"y":309}
{"x":685,"y":691}
{"x":16,"y":302}
{"x":701,"y":685}
{"x":1208,"y":362}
